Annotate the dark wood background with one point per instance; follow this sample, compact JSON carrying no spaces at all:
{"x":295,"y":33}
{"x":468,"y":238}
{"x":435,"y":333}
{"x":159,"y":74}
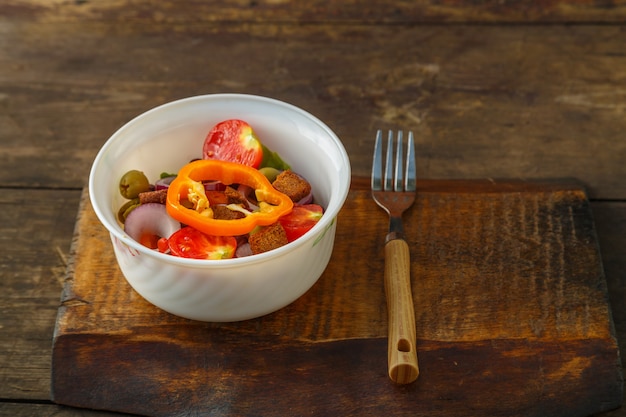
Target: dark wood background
{"x":494,"y":89}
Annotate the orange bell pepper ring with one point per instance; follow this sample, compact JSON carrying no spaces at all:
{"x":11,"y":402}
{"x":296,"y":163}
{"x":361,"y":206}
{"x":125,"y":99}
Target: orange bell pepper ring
{"x":188,"y":188}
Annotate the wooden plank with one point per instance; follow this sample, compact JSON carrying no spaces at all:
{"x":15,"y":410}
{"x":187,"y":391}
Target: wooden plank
{"x":610,"y":220}
{"x":30,"y":410}
{"x":547,"y":347}
{"x":20,"y":383}
{"x":35,"y":232}
{"x":375,"y":11}
{"x":484,"y":101}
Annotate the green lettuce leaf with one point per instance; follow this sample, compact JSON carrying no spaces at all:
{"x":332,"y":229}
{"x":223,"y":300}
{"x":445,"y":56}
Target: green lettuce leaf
{"x":272,"y":160}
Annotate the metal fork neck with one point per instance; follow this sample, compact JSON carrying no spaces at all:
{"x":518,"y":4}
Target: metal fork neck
{"x":395,"y":229}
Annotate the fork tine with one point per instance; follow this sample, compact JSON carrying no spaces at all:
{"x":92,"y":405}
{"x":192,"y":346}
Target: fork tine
{"x":393,"y":176}
{"x":398,"y":180}
{"x":410,"y":180}
{"x":377,"y":164}
{"x":389,"y":163}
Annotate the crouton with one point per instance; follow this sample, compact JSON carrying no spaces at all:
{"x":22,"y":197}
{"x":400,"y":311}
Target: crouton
{"x":292,"y":185}
{"x":268,"y":238}
{"x":234,"y":197}
{"x":158,"y":196}
{"x":222,"y":212}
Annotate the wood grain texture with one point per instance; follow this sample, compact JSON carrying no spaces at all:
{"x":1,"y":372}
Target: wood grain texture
{"x":484,"y":101}
{"x":375,"y":11}
{"x":35,"y":232}
{"x":537,"y":99}
{"x":546,"y":348}
{"x":48,"y":410}
{"x":402,"y":361}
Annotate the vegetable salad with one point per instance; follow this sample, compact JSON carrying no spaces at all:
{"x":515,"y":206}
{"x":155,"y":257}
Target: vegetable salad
{"x":238,"y":200}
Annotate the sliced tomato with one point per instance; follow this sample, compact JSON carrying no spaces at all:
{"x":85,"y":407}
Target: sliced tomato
{"x":192,"y":243}
{"x":233,"y":140}
{"x":162,"y":245}
{"x":301,"y":220}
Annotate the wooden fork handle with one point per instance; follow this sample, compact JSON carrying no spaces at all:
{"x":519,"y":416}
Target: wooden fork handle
{"x":402,"y":354}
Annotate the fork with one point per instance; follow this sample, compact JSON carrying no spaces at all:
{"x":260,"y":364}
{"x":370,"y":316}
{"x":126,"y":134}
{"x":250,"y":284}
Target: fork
{"x":395,"y":193}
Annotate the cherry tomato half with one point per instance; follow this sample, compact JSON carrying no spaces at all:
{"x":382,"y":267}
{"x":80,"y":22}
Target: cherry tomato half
{"x":192,"y":243}
{"x":233,"y":140}
{"x":300,"y":220}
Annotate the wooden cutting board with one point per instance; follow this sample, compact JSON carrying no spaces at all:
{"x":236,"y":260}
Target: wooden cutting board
{"x":510,"y":300}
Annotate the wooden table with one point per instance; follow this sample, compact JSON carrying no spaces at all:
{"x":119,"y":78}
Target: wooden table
{"x":527,"y":91}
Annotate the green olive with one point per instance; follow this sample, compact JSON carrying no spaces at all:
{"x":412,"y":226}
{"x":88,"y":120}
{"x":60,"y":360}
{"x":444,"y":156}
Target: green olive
{"x":129,"y":206}
{"x":270,"y":173}
{"x":132,"y":183}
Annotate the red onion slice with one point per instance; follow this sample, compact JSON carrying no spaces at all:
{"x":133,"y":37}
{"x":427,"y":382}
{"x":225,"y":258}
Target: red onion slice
{"x":308,"y":199}
{"x":243,"y":250}
{"x":148,"y":221}
{"x":214,"y":186}
{"x":244,"y":190}
{"x":164,"y":183}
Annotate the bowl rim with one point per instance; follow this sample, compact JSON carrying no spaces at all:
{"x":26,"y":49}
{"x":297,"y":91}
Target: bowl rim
{"x":317,"y":232}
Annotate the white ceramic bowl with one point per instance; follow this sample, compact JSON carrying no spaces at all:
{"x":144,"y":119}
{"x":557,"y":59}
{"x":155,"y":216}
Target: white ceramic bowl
{"x":166,"y":138}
